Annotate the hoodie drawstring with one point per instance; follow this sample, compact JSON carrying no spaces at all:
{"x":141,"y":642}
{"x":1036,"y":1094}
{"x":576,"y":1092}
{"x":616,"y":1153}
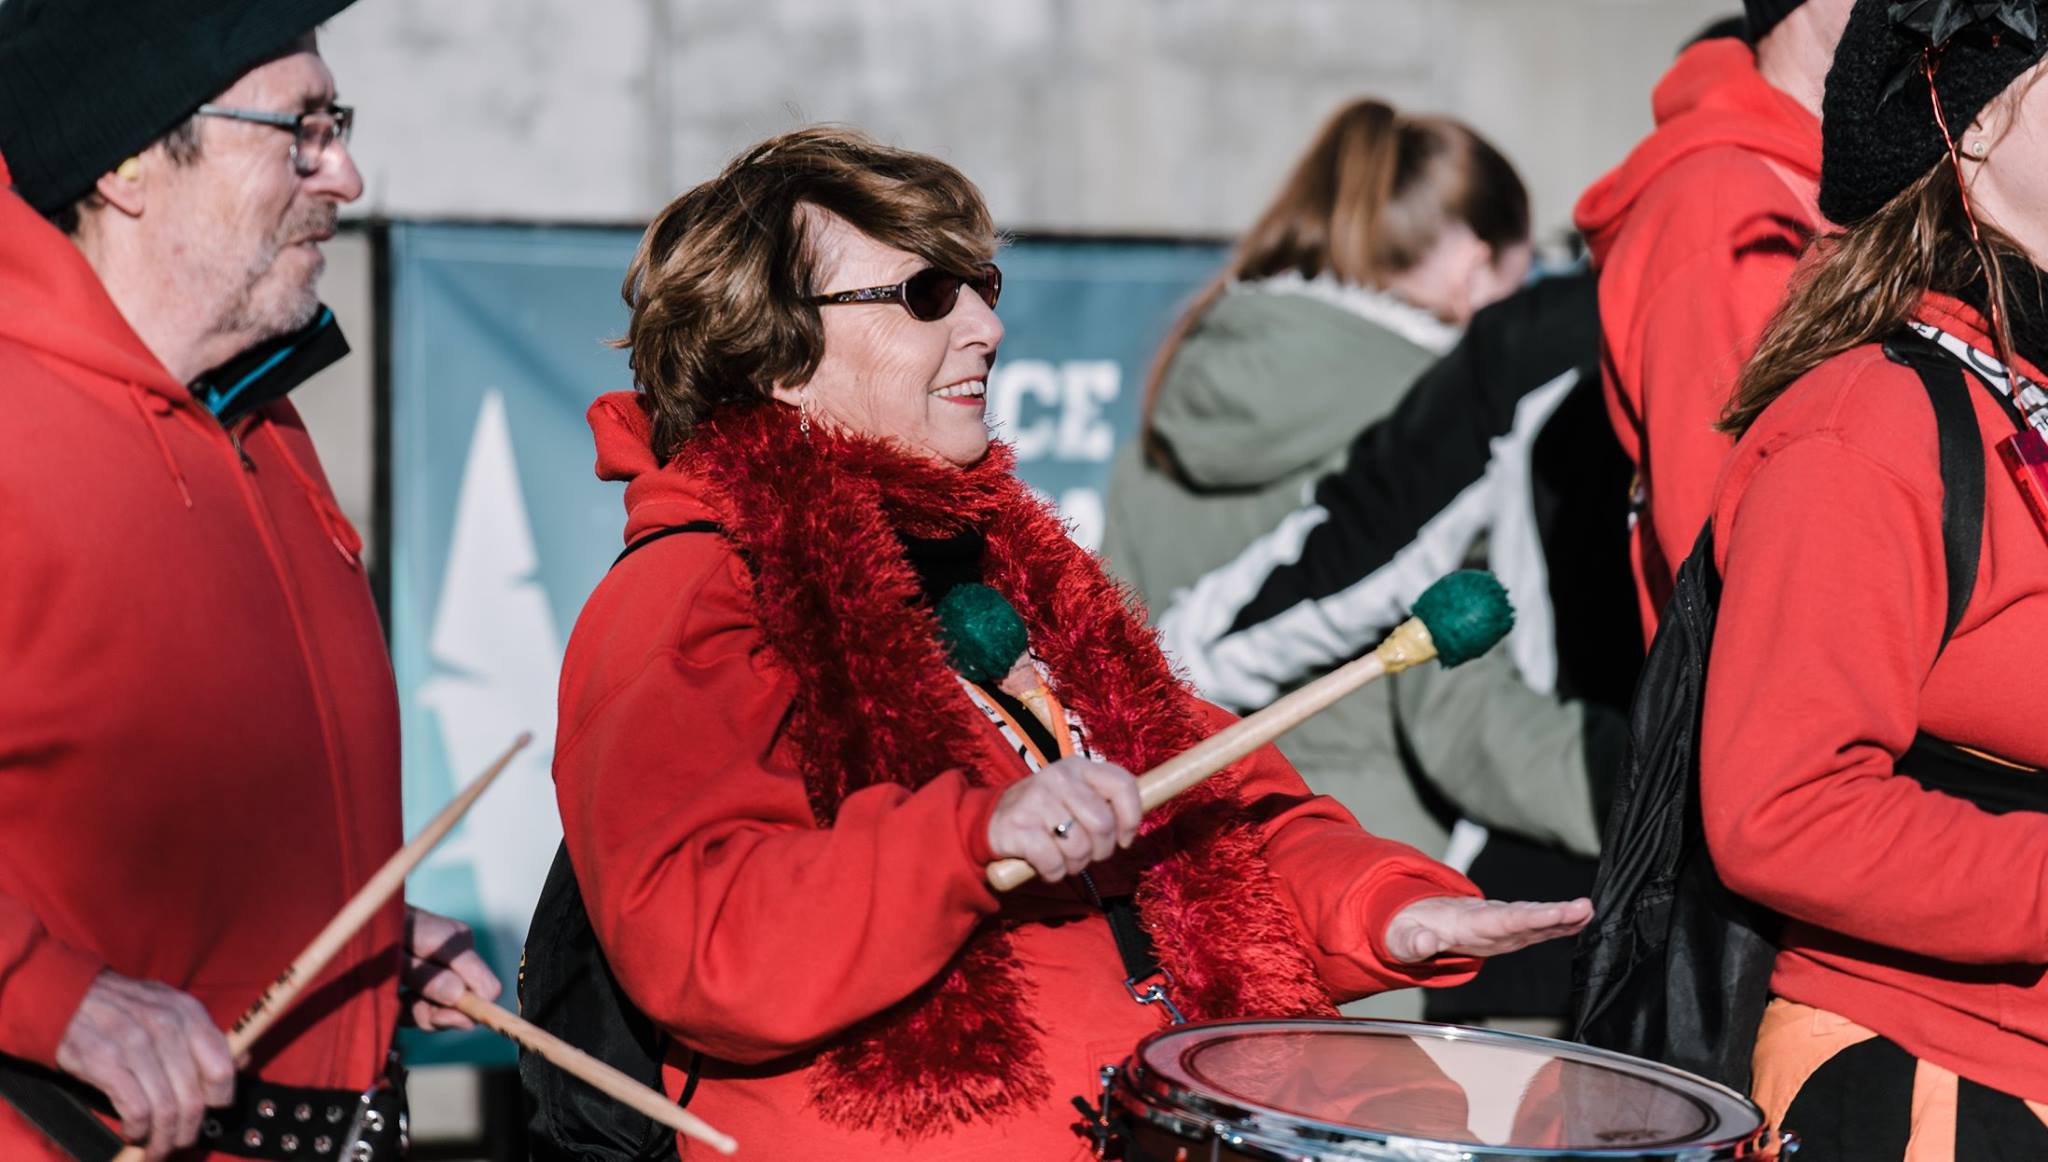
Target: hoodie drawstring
{"x":146,"y":403}
{"x":340,"y":532}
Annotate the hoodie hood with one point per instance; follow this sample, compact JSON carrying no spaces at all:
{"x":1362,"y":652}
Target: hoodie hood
{"x":51,"y":301}
{"x":655,"y":497}
{"x":1278,"y":375}
{"x":1712,"y":98}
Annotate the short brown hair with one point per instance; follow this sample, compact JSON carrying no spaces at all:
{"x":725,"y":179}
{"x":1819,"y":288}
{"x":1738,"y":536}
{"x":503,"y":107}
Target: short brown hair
{"x":721,"y":284}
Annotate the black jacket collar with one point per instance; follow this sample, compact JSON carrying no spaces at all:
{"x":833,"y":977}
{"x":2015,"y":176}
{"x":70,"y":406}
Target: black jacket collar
{"x":270,"y":370}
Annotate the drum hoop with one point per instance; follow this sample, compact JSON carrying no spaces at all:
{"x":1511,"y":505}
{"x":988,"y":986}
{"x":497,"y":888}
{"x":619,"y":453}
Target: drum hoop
{"x":1173,"y":1106}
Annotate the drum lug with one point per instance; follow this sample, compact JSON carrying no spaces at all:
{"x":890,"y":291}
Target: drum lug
{"x":1094,"y":1123}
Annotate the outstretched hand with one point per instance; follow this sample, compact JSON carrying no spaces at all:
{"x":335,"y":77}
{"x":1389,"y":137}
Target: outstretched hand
{"x":1463,"y":926}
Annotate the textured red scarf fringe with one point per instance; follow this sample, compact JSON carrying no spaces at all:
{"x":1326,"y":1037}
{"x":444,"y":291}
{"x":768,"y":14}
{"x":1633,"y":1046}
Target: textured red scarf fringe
{"x":877,"y":702}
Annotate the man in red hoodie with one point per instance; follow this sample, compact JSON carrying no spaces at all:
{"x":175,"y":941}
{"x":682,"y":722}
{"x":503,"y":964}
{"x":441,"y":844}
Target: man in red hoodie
{"x":1695,"y":237}
{"x":198,"y":724}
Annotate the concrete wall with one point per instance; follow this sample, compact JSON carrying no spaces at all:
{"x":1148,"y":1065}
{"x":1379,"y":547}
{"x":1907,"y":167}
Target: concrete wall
{"x":1138,"y":116}
{"x":339,"y":405}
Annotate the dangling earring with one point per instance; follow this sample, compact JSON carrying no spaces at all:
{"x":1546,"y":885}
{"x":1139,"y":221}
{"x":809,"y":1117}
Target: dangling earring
{"x":803,"y":412}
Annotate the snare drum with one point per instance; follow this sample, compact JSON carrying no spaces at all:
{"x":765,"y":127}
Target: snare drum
{"x":1265,"y":1091}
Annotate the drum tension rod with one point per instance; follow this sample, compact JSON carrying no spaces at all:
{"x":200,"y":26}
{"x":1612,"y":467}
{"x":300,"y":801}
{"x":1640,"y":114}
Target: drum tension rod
{"x":1094,"y":1123}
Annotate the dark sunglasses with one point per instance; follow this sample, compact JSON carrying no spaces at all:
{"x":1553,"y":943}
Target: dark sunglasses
{"x":928,"y":295}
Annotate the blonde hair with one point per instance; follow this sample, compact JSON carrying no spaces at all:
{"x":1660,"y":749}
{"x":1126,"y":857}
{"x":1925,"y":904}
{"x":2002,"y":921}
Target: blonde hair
{"x":1367,"y":201}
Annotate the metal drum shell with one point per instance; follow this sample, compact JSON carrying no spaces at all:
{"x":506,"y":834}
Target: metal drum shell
{"x":1159,"y":1116}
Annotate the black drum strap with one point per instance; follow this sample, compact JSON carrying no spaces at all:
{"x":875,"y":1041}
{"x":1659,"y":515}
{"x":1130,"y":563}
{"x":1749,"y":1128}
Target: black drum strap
{"x":54,"y":1105}
{"x":1133,"y":943}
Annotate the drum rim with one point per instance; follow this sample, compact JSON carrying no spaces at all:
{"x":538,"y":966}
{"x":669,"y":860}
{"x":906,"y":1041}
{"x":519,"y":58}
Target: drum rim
{"x":1180,"y":1106}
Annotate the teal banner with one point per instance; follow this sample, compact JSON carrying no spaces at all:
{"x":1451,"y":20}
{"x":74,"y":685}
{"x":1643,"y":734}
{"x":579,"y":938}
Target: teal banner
{"x":499,"y":529}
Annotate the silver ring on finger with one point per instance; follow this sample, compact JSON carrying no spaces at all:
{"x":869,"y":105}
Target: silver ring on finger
{"x":1063,"y":830}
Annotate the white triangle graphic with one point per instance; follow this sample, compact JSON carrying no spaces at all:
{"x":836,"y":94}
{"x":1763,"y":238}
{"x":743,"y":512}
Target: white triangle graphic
{"x":496,"y":655}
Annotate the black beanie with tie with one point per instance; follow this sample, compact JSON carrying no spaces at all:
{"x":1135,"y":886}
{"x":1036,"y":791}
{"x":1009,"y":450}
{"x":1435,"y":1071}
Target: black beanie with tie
{"x":1879,"y":133}
{"x":85,"y":84}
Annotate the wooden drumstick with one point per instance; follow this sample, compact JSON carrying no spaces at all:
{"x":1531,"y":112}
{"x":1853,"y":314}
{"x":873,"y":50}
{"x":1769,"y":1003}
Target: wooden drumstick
{"x":1456,"y":620}
{"x":259,"y":1017}
{"x":597,"y":1074}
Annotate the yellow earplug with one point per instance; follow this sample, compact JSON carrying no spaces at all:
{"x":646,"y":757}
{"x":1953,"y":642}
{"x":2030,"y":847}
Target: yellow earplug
{"x":129,"y":170}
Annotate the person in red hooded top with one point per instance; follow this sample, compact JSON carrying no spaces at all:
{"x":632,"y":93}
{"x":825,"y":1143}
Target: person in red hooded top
{"x":1694,"y":238}
{"x":1870,"y":777}
{"x":849,"y":659}
{"x":198,"y":724}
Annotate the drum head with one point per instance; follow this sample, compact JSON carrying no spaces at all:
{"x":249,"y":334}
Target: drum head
{"x":1492,"y":1094}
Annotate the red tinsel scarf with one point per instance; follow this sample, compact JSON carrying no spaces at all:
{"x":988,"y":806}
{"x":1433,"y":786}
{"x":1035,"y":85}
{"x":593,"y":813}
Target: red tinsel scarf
{"x":878,"y":702}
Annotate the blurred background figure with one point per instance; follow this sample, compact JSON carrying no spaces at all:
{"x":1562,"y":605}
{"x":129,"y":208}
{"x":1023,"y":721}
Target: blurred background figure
{"x":1500,"y":455}
{"x":1695,"y":237}
{"x":1386,"y":236}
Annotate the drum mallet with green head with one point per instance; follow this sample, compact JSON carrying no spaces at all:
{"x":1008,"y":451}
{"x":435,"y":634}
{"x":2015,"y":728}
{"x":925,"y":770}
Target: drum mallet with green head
{"x":1455,"y":620}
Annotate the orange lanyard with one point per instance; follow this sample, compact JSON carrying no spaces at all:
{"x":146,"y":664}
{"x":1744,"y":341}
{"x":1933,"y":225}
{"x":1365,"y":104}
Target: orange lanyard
{"x":1055,"y":722}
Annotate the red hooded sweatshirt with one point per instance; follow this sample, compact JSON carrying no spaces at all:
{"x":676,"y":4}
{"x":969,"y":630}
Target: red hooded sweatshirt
{"x":198,"y":725}
{"x":1911,"y":912}
{"x":1694,"y":237}
{"x":755,"y":936}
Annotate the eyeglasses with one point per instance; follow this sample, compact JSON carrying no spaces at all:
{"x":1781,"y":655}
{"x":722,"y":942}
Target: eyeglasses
{"x":928,"y":295}
{"x":313,"y":132}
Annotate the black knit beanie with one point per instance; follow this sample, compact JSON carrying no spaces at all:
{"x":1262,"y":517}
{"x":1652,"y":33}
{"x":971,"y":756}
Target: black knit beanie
{"x":1878,"y":129}
{"x":85,"y":84}
{"x":1764,"y":15}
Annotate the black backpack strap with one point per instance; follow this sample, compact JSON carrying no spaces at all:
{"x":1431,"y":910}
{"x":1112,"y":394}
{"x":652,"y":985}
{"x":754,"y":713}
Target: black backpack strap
{"x":567,"y":987}
{"x":1962,"y":464}
{"x":695,"y":526}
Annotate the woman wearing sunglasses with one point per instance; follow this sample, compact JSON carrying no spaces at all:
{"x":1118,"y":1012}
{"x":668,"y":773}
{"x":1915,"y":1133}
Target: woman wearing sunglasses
{"x":848,"y":659}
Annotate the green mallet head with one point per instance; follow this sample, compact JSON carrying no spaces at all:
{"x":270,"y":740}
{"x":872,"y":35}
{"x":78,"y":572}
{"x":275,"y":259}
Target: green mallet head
{"x":984,"y":636}
{"x":1465,"y":614}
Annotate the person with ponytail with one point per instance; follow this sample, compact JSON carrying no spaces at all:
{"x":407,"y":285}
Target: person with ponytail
{"x":1390,"y":232}
{"x":1909,"y":1010}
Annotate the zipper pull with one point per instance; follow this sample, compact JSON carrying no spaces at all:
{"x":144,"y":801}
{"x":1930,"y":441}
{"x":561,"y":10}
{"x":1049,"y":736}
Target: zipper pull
{"x":235,"y":438}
